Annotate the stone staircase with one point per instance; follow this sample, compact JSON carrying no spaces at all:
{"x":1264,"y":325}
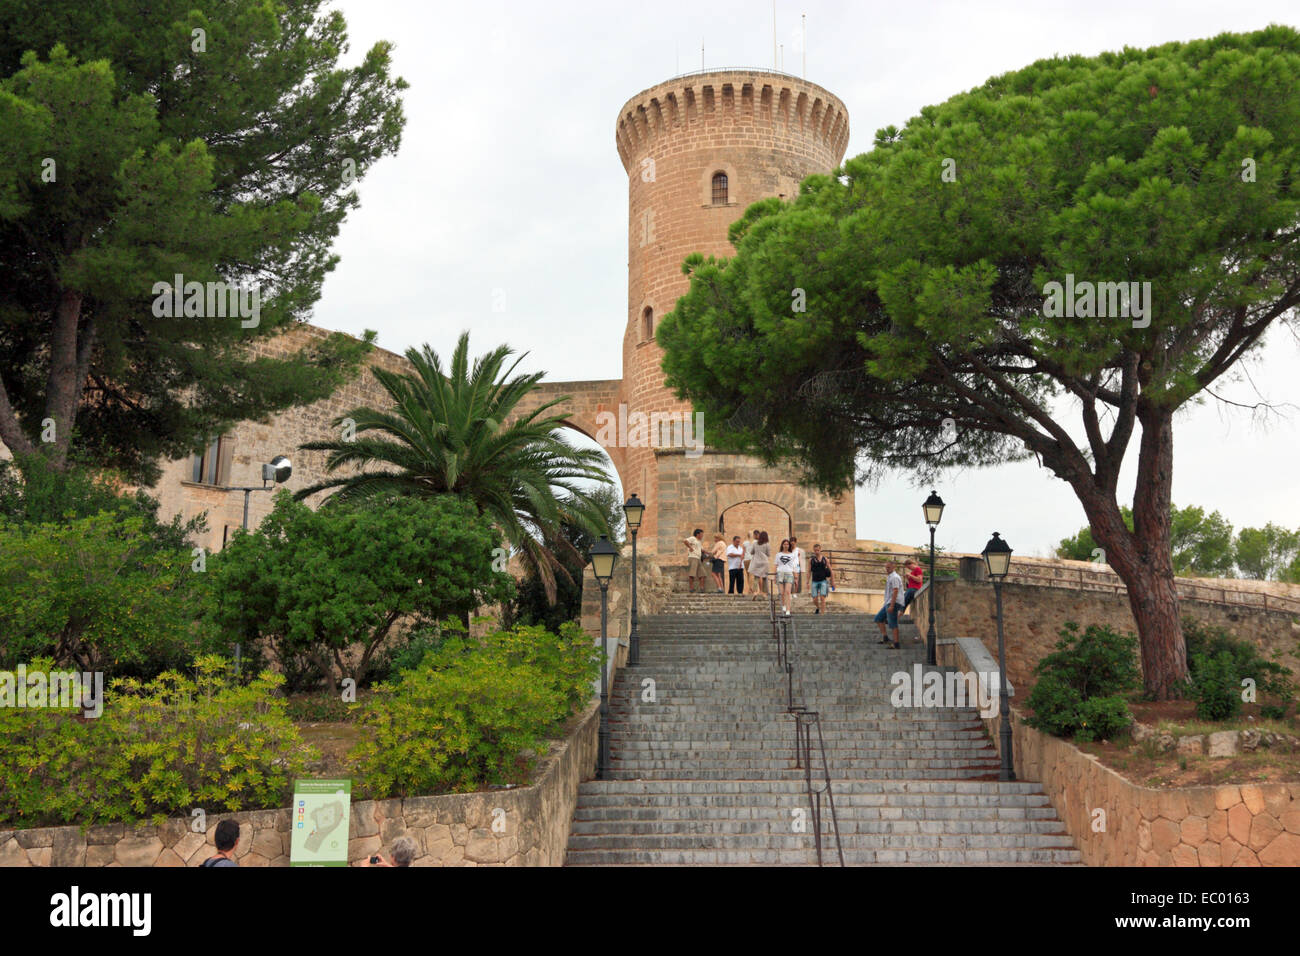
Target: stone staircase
{"x":684,"y":602}
{"x":703,"y":764}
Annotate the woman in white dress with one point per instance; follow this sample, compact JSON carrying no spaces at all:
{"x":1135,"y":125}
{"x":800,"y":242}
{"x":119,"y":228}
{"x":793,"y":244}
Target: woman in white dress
{"x":760,"y":564}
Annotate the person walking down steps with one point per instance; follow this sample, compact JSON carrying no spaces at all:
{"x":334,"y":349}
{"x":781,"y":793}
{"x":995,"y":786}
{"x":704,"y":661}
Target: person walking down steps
{"x":761,"y":566}
{"x":735,"y":567}
{"x":785,"y":563}
{"x":822,"y":575}
{"x":888,"y":614}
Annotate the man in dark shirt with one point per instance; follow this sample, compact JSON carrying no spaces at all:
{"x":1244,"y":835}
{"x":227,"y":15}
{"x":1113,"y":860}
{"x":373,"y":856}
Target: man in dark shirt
{"x":226,"y":839}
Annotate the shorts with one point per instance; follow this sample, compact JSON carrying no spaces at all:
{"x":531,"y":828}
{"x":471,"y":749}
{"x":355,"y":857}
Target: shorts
{"x":888,"y":615}
{"x":785,"y":577}
{"x":719,"y":566}
{"x":696,"y":569}
{"x":821,"y":588}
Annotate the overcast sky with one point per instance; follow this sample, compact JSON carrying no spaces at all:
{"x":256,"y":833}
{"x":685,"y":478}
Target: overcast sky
{"x":508,"y":184}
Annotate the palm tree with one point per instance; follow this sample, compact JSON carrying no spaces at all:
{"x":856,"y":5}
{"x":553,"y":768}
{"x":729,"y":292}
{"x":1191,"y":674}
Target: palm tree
{"x":447,"y":433}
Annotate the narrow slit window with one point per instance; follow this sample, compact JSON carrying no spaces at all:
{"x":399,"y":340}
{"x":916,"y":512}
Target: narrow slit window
{"x":647,"y":324}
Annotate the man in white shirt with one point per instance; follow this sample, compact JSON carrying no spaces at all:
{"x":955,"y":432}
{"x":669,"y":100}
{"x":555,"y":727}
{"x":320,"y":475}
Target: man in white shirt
{"x":893,"y":604}
{"x":735,"y":567}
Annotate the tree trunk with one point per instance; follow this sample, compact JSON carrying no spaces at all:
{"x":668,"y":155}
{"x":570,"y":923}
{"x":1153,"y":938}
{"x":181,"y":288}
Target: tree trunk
{"x":1143,"y":557}
{"x":70,"y":351}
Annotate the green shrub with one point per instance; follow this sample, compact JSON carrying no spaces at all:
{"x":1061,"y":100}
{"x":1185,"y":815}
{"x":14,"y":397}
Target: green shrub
{"x":473,"y":712}
{"x":97,"y":593}
{"x":1214,"y":686}
{"x":1219,"y":662}
{"x":315,"y":585}
{"x":1101,"y":718}
{"x":569,"y":661}
{"x":160,"y":748}
{"x":1081,"y":685}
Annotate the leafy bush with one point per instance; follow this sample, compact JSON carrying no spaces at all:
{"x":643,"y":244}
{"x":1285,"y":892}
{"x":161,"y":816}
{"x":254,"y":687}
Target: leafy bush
{"x":1237,"y":660}
{"x":97,"y":592}
{"x":316,"y":585}
{"x":1101,"y":718}
{"x":473,"y":712}
{"x":1081,"y":686}
{"x":161,"y":747}
{"x":1214,"y":687}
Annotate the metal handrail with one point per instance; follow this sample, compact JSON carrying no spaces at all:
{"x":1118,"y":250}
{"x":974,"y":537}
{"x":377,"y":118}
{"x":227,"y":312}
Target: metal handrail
{"x":804,"y":721}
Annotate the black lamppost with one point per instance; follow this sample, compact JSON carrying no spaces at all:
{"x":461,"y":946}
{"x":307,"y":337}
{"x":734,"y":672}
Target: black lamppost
{"x":997,"y":558}
{"x":603,"y":555}
{"x":633,"y":509}
{"x":278,"y":470}
{"x":932,"y":507}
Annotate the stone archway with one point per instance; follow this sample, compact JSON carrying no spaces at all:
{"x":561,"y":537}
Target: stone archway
{"x":745,"y":516}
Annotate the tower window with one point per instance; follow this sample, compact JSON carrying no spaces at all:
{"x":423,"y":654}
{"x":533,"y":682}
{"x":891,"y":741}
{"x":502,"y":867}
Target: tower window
{"x":719,"y":189}
{"x":647,"y":324}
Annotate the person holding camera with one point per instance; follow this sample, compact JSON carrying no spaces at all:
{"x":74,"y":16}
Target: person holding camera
{"x":404,"y":850}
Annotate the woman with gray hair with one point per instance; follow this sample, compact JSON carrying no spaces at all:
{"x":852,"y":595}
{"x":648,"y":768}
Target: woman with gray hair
{"x":404,"y":850}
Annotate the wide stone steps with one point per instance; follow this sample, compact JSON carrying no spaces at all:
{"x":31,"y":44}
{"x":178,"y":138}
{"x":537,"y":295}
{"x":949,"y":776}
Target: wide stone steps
{"x":705,"y":774}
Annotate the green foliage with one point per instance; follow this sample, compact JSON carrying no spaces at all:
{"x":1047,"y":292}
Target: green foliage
{"x":314,"y":584}
{"x":1202,"y":544}
{"x":531,"y":605}
{"x":446,"y":435}
{"x":1082,"y":685}
{"x":1270,"y":553}
{"x":160,"y":748}
{"x":1080,"y":546}
{"x":473,"y":713}
{"x":97,"y":592}
{"x":1217,"y":694}
{"x":232,"y":164}
{"x":1220,"y":662}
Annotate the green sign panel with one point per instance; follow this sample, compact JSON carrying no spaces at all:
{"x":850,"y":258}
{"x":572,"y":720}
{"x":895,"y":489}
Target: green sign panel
{"x":319,"y":826}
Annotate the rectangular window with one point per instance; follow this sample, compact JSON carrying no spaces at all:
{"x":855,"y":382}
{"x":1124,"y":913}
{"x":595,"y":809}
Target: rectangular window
{"x":211,"y":466}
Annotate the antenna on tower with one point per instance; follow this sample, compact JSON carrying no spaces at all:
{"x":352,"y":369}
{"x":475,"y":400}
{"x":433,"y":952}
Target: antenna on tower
{"x":701,"y":53}
{"x":804,"y":17}
{"x":774,"y":34}
{"x":782,"y":57}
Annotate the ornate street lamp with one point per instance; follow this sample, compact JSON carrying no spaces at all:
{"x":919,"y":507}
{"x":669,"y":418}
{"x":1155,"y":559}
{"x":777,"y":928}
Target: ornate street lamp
{"x":997,"y":558}
{"x":633,"y":509}
{"x":603,"y":555}
{"x":932,"y":508}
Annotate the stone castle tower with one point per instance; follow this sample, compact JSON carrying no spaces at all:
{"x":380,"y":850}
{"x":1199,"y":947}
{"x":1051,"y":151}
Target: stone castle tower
{"x":699,"y":149}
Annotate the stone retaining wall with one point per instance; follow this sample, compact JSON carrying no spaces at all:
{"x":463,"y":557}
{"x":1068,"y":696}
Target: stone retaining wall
{"x":1033,"y":616}
{"x":1224,"y":825}
{"x":449,"y":830}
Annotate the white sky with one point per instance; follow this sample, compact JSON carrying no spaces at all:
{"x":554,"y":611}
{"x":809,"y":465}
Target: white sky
{"x":508,"y":184}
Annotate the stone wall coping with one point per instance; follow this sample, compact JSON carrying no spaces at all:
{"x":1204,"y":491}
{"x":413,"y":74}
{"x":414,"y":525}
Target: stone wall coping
{"x":979,"y":660}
